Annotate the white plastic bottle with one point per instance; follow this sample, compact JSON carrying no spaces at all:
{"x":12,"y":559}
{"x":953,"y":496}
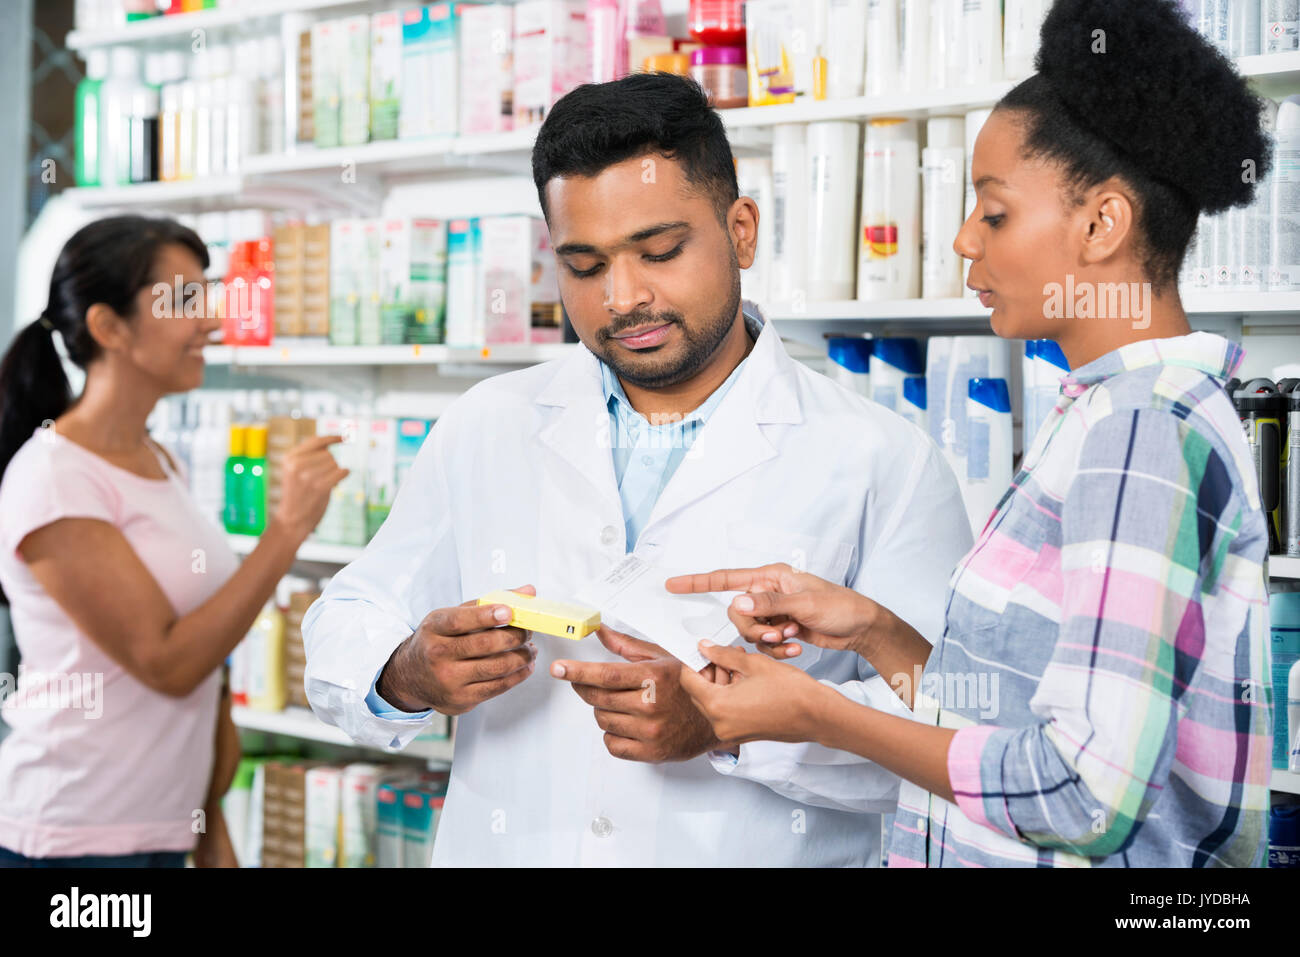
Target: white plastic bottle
{"x":833,"y":150}
{"x":754,"y":178}
{"x":1256,"y":222}
{"x":1293,"y":716}
{"x":850,"y":363}
{"x":980,"y":42}
{"x":943,"y":67}
{"x":1245,"y":30}
{"x":943,"y":165}
{"x":912,"y":405}
{"x":115,"y":96}
{"x":1050,"y":365}
{"x":846,"y":46}
{"x":914,"y":46}
{"x":882,"y":47}
{"x":988,"y":461}
{"x":1284,"y":268}
{"x":890,"y":226}
{"x":1225,"y":255}
{"x":1024,"y":21}
{"x":893,"y":361}
{"x":789,"y":214}
{"x":1027,"y":383}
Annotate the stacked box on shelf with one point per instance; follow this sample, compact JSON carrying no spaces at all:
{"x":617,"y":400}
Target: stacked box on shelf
{"x":346,"y":249}
{"x":306,"y":105}
{"x":551,"y":55}
{"x":486,"y":69}
{"x":369,"y":273}
{"x":385,"y":74}
{"x":354,"y":81}
{"x":520,"y":295}
{"x":428,"y":72}
{"x":464,"y":325}
{"x":322,"y":795}
{"x":283,"y":432}
{"x":284,"y":814}
{"x":344,"y":521}
{"x":316,"y":280}
{"x":289,"y":244}
{"x":295,"y":653}
{"x":328,"y":48}
{"x":381,"y":472}
{"x":413,"y":280}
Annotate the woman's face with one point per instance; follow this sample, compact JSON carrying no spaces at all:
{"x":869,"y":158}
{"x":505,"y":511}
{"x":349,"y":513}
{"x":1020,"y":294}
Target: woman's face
{"x":1021,"y":236}
{"x":172,"y":322}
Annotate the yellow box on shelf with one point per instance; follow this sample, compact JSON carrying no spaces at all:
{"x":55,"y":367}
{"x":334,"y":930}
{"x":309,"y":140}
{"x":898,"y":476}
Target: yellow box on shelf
{"x":558,"y":618}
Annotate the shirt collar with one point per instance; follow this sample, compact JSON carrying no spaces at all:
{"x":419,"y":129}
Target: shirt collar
{"x":1214,"y":355}
{"x":615,"y":397}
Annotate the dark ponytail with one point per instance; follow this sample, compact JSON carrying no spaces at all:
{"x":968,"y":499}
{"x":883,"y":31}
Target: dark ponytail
{"x":108,"y":261}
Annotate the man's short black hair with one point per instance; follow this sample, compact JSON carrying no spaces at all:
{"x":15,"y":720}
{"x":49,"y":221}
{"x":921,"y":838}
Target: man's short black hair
{"x":599,"y":124}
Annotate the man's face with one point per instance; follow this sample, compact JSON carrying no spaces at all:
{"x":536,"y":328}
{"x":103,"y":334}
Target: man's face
{"x":649,"y":276}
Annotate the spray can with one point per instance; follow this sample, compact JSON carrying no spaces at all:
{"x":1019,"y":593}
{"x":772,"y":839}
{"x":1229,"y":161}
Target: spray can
{"x":1260,"y":409}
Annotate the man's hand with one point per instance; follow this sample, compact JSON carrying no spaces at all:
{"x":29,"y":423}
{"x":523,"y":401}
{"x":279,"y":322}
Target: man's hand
{"x":458,"y":658}
{"x":640,"y":705}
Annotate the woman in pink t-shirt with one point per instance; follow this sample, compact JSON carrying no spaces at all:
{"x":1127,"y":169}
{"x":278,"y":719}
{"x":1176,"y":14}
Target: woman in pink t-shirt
{"x":125,"y":598}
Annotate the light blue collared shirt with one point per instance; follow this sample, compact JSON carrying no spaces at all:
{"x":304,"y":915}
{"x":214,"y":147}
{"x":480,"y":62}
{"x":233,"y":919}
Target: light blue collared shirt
{"x":646,"y":455}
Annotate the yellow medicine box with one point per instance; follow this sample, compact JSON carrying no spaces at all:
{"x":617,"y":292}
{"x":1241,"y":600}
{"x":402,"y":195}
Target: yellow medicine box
{"x":549,"y":617}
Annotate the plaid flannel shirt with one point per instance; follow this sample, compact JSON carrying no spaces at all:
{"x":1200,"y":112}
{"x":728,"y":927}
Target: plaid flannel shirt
{"x":1105,"y":663}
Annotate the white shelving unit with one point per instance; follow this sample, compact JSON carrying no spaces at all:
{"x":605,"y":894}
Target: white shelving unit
{"x":1287,"y":781}
{"x":324,"y":552}
{"x":302,"y":723}
{"x":310,"y":178}
{"x":290,"y":353}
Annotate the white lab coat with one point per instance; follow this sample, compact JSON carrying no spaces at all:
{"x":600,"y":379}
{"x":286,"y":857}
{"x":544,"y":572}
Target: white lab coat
{"x":515,"y":485}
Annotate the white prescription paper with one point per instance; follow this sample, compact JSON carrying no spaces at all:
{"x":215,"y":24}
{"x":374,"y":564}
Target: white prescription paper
{"x":632,"y":599}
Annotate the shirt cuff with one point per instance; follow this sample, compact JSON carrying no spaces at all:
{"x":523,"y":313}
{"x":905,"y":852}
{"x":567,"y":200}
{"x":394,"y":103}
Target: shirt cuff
{"x":965,"y":758}
{"x":382,"y":709}
{"x":724,"y":761}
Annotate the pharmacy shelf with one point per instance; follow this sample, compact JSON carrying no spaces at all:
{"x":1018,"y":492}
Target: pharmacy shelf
{"x":301,"y":723}
{"x":918,"y":105}
{"x":292,"y":354}
{"x":1276,"y":306}
{"x":324,"y":552}
{"x":212,"y":190}
{"x":1288,"y":781}
{"x":179,"y":27}
{"x":1280,"y":566}
{"x":231,"y":191}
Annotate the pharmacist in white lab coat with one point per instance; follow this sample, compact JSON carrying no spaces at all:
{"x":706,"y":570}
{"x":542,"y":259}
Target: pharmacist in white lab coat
{"x":682,"y":432}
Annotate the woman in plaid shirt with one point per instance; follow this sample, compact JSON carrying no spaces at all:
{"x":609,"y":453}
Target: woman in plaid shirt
{"x":1100,"y":694}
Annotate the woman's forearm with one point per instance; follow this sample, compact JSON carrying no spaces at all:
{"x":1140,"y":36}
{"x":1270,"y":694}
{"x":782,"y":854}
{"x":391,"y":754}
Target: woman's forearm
{"x":911,"y":750}
{"x":895,"y":649}
{"x":195,"y":645}
{"x":226,"y":754}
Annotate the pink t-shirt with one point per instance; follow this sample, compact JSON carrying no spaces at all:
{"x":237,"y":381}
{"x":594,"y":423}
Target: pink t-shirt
{"x":97,"y":763}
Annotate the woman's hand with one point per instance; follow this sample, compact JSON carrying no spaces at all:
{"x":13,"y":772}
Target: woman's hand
{"x":308,"y":473}
{"x":215,"y":848}
{"x":785,"y":605}
{"x":763,"y":700}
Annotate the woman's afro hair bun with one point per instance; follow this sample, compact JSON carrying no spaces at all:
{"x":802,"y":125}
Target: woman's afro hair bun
{"x":1136,"y":73}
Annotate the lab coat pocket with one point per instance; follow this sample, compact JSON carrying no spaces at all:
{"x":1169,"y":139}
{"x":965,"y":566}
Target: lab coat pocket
{"x":750,"y":544}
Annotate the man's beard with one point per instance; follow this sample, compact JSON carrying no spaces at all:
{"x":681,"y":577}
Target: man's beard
{"x":700,"y":344}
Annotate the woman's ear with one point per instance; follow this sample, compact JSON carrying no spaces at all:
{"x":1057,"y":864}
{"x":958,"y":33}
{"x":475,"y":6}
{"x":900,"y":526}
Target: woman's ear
{"x":1109,"y":226}
{"x":106,"y":327}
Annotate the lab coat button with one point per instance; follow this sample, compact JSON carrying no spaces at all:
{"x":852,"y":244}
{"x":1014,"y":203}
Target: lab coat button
{"x":608,"y":535}
{"x":602,"y":827}
{"x":647,"y":460}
